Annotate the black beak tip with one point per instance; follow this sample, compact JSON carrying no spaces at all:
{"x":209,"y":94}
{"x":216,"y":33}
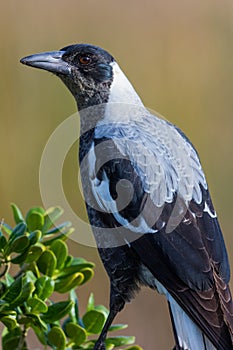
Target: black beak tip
{"x":28,"y":60}
{"x":23,"y":60}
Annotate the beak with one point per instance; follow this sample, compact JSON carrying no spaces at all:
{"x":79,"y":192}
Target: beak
{"x":50,"y":61}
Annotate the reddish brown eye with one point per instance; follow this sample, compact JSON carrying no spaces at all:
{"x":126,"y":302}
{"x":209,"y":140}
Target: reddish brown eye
{"x":84,"y":60}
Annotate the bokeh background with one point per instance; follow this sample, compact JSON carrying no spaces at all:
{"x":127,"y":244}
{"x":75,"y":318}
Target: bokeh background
{"x":179,"y":56}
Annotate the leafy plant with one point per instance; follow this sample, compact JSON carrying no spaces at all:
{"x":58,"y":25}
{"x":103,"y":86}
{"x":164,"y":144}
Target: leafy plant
{"x":36,"y":249}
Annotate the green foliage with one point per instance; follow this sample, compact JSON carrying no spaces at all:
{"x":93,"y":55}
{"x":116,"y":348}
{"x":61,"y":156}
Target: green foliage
{"x":37,"y":249}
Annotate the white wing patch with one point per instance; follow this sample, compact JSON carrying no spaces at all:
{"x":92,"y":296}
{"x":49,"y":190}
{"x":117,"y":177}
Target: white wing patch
{"x":102,"y":195}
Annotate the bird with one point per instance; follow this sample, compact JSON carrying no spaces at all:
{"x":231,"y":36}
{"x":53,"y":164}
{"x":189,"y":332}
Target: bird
{"x":147,"y":200}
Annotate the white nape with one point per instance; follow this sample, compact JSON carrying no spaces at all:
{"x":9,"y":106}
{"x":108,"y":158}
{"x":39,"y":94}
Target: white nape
{"x":122,"y":98}
{"x":121,"y":89}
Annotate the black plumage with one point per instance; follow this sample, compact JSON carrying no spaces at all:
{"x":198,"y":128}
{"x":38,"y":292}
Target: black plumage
{"x":147,"y":201}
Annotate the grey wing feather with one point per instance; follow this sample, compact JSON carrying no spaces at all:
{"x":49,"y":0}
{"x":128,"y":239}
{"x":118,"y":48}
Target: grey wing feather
{"x":165,"y":161}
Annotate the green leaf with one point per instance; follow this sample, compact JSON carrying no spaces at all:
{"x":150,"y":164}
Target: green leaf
{"x":91,"y":302}
{"x":61,"y":237}
{"x":18,"y":292}
{"x":44,"y":287}
{"x":6,"y":228}
{"x":12,"y":313}
{"x":34,"y":253}
{"x":60,"y":250}
{"x":18,"y":231}
{"x":39,"y":210}
{"x":29,"y":277}
{"x":37,"y":305}
{"x":3,"y":241}
{"x":134,"y":347}
{"x":120,"y":341}
{"x":78,"y":261}
{"x":20,"y":258}
{"x":26,"y":320}
{"x":74,"y":311}
{"x":117,"y":327}
{"x":9,"y":321}
{"x":47,"y":263}
{"x":88,"y":345}
{"x":13,"y":291}
{"x":66,"y":284}
{"x":18,"y":216}
{"x":15,"y":241}
{"x":57,"y":338}
{"x":73,"y":268}
{"x":35,"y":236}
{"x":19,"y":245}
{"x":68,"y":261}
{"x":76,"y":333}
{"x":93,"y":321}
{"x":34,"y":320}
{"x":59,"y":228}
{"x":9,"y":279}
{"x":13,"y":339}
{"x":34,"y":219}
{"x":88,"y":274}
{"x":103,"y":309}
{"x":57,"y":311}
{"x":3,"y":305}
{"x":26,"y":292}
{"x":50,"y":216}
{"x":41,"y":334}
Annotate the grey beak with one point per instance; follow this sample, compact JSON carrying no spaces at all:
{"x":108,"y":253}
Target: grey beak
{"x":50,"y":61}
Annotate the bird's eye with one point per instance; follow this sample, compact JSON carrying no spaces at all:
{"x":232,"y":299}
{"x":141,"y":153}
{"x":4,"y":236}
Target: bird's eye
{"x":85,"y":60}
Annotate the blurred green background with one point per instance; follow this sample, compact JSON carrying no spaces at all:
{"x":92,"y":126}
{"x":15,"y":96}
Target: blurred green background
{"x":179,"y":56}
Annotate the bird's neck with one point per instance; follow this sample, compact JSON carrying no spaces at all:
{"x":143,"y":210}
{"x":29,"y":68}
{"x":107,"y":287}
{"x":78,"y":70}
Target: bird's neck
{"x":121,"y":90}
{"x":119,"y":103}
{"x":123,"y":100}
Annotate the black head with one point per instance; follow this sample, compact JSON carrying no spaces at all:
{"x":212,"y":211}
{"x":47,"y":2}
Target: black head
{"x":85,"y":69}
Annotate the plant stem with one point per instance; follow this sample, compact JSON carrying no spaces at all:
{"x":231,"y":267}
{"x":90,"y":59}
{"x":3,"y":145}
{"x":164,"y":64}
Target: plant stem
{"x":22,"y":339}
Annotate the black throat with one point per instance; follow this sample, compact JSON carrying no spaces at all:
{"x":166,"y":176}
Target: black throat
{"x":88,"y":94}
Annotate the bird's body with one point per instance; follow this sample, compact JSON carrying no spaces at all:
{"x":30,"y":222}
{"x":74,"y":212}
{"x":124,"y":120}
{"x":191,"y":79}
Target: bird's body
{"x":147,"y":201}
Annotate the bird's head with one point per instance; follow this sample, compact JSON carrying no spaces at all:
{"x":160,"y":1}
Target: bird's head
{"x":86,"y":70}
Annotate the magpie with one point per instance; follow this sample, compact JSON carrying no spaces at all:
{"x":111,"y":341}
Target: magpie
{"x":147,"y":201}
